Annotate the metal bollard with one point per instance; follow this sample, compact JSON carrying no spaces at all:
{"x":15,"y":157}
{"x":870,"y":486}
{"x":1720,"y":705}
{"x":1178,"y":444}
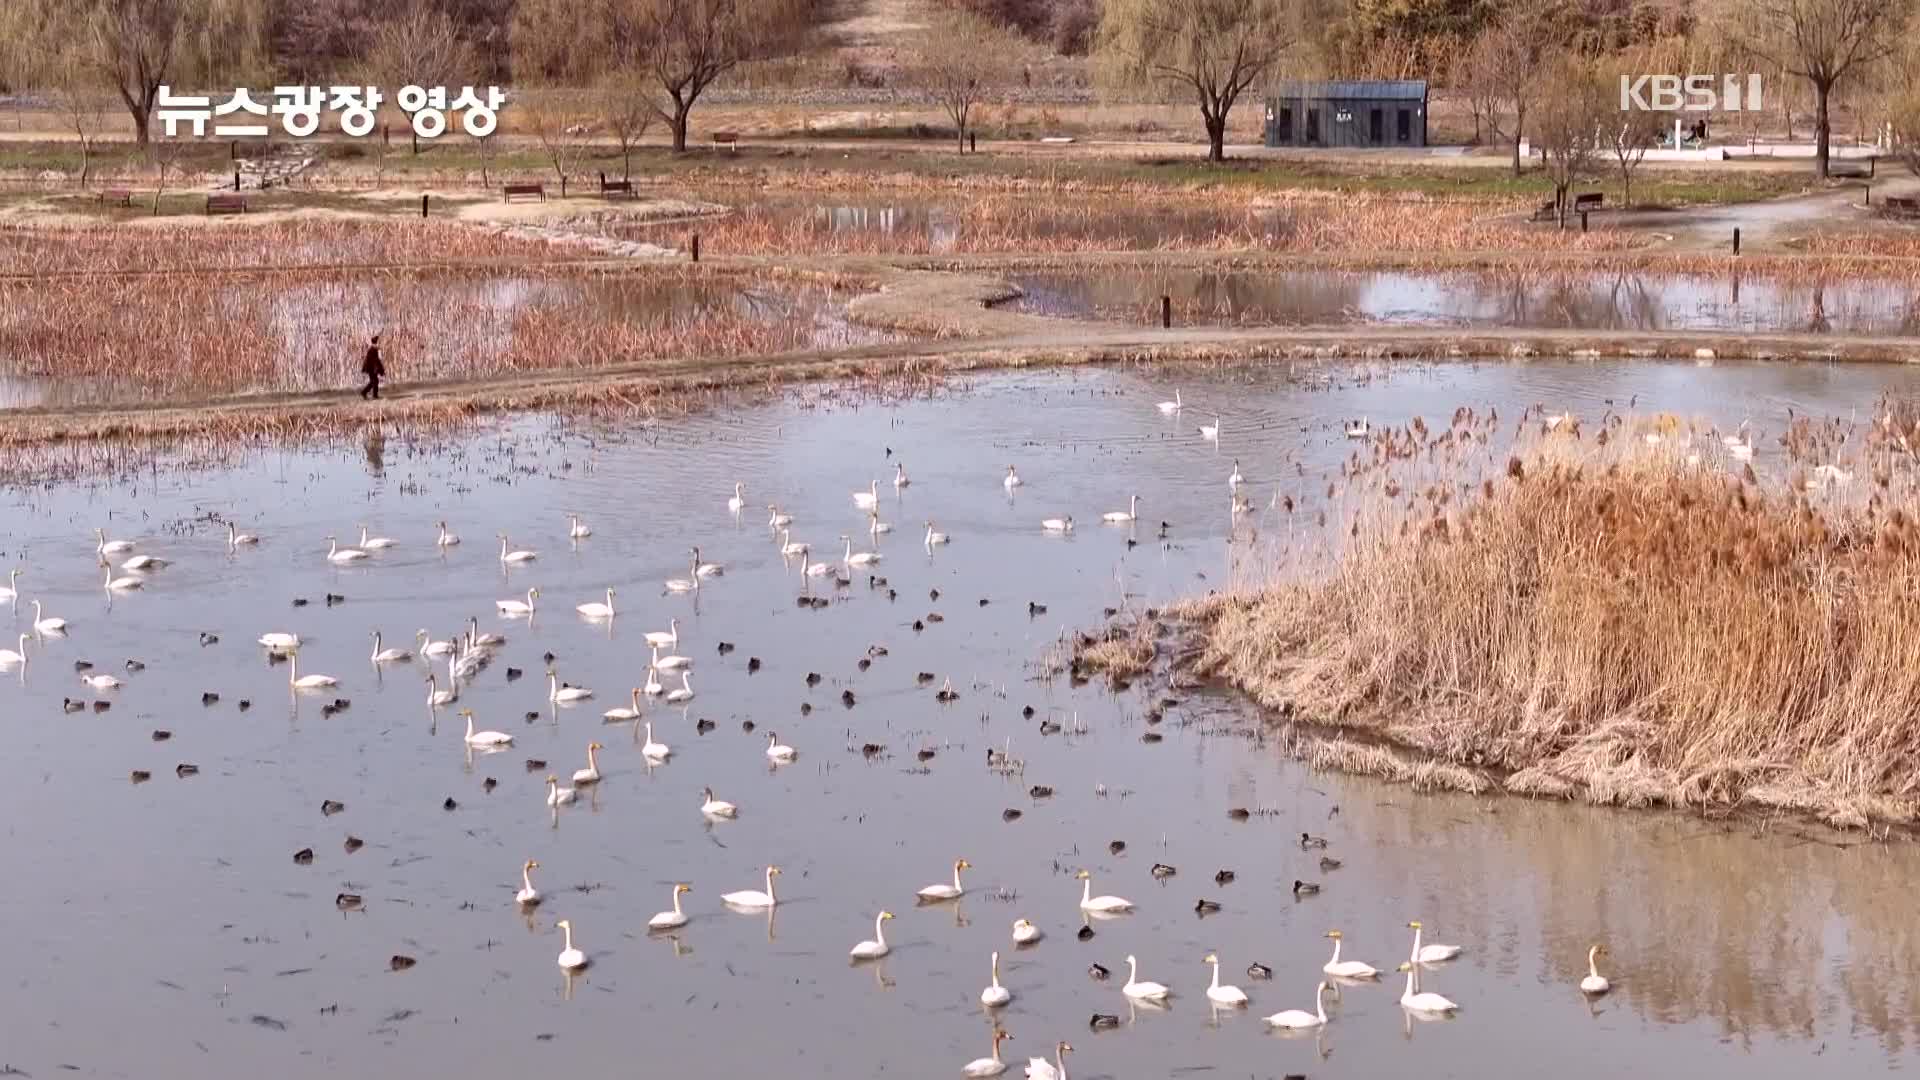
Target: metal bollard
{"x":423,"y":204}
{"x":1736,"y":239}
{"x":236,"y":178}
{"x":1166,"y":312}
{"x":1583,"y":221}
{"x":973,"y":144}
{"x":696,"y":247}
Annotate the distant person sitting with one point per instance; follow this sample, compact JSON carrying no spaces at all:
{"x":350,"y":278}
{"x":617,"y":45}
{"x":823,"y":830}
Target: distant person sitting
{"x":374,"y":369}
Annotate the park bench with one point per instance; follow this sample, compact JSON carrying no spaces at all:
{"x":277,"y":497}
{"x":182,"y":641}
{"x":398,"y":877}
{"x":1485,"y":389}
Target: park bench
{"x":116,"y":197}
{"x":728,"y":139}
{"x":226,"y":204}
{"x":1860,"y":167}
{"x":1900,"y":206}
{"x":610,"y":189}
{"x":1588,"y":200}
{"x":508,"y":191}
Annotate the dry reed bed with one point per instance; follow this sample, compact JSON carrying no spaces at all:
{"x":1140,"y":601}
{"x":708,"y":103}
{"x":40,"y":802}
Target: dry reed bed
{"x":196,"y":335}
{"x":1291,"y":223}
{"x":1605,"y":619}
{"x":110,"y":248}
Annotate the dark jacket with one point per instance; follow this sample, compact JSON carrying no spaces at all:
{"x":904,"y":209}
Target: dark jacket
{"x":372,"y":365}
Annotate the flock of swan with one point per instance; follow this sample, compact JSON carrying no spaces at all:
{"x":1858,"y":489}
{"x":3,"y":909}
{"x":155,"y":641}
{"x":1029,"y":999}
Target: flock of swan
{"x":465,"y":653}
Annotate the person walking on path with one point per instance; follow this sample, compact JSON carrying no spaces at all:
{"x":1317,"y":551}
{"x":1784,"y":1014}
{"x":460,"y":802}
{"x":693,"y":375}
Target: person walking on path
{"x":374,"y":369}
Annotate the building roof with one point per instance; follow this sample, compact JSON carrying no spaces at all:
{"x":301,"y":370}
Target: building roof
{"x":1366,"y":89}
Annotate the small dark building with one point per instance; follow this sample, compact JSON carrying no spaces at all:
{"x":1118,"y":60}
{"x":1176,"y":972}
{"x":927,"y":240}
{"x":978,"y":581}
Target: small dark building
{"x":1376,"y":112}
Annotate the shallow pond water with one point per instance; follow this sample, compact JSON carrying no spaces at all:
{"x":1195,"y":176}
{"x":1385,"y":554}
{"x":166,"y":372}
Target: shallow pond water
{"x":173,"y":912}
{"x":1601,"y":301}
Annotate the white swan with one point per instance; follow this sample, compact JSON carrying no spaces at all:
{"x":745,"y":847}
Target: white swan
{"x":1594,"y":983}
{"x":1741,"y":450}
{"x":143,"y":562}
{"x":11,"y":657}
{"x":685,"y":691}
{"x":557,"y":795}
{"x":667,"y":920}
{"x":110,"y":547}
{"x":484,"y":738}
{"x":1090,"y":902}
{"x":1012,"y":479}
{"x":1347,"y":969}
{"x":995,"y":995}
{"x":528,"y":896}
{"x":563,"y":694}
{"x":706,"y":569}
{"x":446,"y":539}
{"x":779,"y":751}
{"x":306,"y":682}
{"x":571,"y":959}
{"x":1123,"y":517}
{"x":660,"y":639}
{"x":713,"y":807}
{"x":900,"y":475}
{"x":424,"y":642}
{"x":861,"y":558}
{"x":373,"y":543}
{"x":102,"y":682}
{"x":739,"y":500}
{"x":1211,"y":432}
{"x":1042,"y":1069}
{"x":507,"y":556}
{"x":122,"y":584}
{"x":776,"y":519}
{"x":942,"y":890}
{"x":577,"y":529}
{"x":1425,"y":1002}
{"x":1142,"y":991}
{"x":236,"y":538}
{"x":627,"y":712}
{"x":1234,"y":479}
{"x":935,"y":538}
{"x":11,"y":590}
{"x":595,"y":609}
{"x":753,"y":898}
{"x":338,"y":554}
{"x":1299,"y":1018}
{"x":878,"y":947}
{"x":988,"y":1066}
{"x":388,"y":656}
{"x":653,"y":750}
{"x":48,"y":624}
{"x":653,"y":687}
{"x":590,"y":774}
{"x":518,"y":607}
{"x":1431,"y":954}
{"x":1231,"y":996}
{"x":790,"y":546}
{"x":1358,"y":429}
{"x":868,"y":498}
{"x":691,"y":582}
{"x":674,"y":662}
{"x":876,"y":527}
{"x":437,"y":697}
{"x":1057,"y":525}
{"x":278,"y":642}
{"x":487,"y":640}
{"x":1170,"y":407}
{"x":814,"y":569}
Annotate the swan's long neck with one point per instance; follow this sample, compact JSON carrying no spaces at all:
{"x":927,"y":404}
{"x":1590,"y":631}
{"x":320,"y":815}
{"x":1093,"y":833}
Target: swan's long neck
{"x":1415,"y":958}
{"x":529,"y":599}
{"x":879,"y":925}
{"x":592,"y":765}
{"x":1408,"y":992}
{"x":676,"y":901}
{"x":293,"y":668}
{"x":332,"y":546}
{"x":609,"y":601}
{"x":956,"y":877}
{"x":1320,"y":1002}
{"x":503,"y":549}
{"x":1133,"y":970}
{"x":568,"y":930}
{"x":469,"y":727}
{"x":1592,"y":969}
{"x":1336,"y":952}
{"x":849,"y":555}
{"x":526,"y":878}
{"x":686,"y":680}
{"x":769,"y":883}
{"x":1086,"y":890}
{"x":1216,"y":976}
{"x":1060,"y":1063}
{"x":376,"y":643}
{"x":996,"y":969}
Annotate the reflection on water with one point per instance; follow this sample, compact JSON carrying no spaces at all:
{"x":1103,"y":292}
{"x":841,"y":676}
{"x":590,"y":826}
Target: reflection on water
{"x":1604,"y":301}
{"x":171,"y":912}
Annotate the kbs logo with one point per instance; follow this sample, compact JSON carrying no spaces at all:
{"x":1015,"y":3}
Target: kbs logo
{"x":1689,"y":93}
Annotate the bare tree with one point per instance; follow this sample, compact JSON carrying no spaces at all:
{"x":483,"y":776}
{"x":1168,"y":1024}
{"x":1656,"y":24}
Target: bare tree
{"x":83,"y":106}
{"x":1821,"y":41}
{"x":563,"y":128}
{"x":962,"y":60}
{"x":626,"y":114}
{"x":1215,"y":49}
{"x":687,"y":44}
{"x":165,"y":154}
{"x":1627,"y":142}
{"x":132,"y":46}
{"x":1569,"y":123}
{"x":1511,"y":54}
{"x":418,"y":45}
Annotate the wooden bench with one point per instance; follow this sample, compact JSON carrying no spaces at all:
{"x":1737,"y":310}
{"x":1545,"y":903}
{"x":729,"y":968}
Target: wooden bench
{"x":610,"y":189}
{"x":1860,"y":167}
{"x":1588,"y":200}
{"x":116,"y":196}
{"x":728,"y":139}
{"x":1900,"y":206}
{"x":226,"y":204}
{"x":508,"y":191}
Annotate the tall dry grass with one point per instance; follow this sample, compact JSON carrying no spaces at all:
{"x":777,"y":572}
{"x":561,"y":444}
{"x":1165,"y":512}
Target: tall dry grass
{"x":113,"y":248}
{"x":97,"y":340}
{"x":1619,"y":622}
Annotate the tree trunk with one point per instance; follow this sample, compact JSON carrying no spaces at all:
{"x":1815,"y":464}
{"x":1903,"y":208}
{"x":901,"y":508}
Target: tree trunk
{"x":1822,"y":130}
{"x":142,"y":126}
{"x":960,"y":130}
{"x":626,"y":162}
{"x":678,"y":121}
{"x":1519,"y":124}
{"x":1217,"y":138}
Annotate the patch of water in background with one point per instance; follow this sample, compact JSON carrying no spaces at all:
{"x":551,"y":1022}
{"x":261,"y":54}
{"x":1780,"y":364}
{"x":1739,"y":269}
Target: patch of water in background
{"x":1580,"y":301}
{"x":173,"y":912}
